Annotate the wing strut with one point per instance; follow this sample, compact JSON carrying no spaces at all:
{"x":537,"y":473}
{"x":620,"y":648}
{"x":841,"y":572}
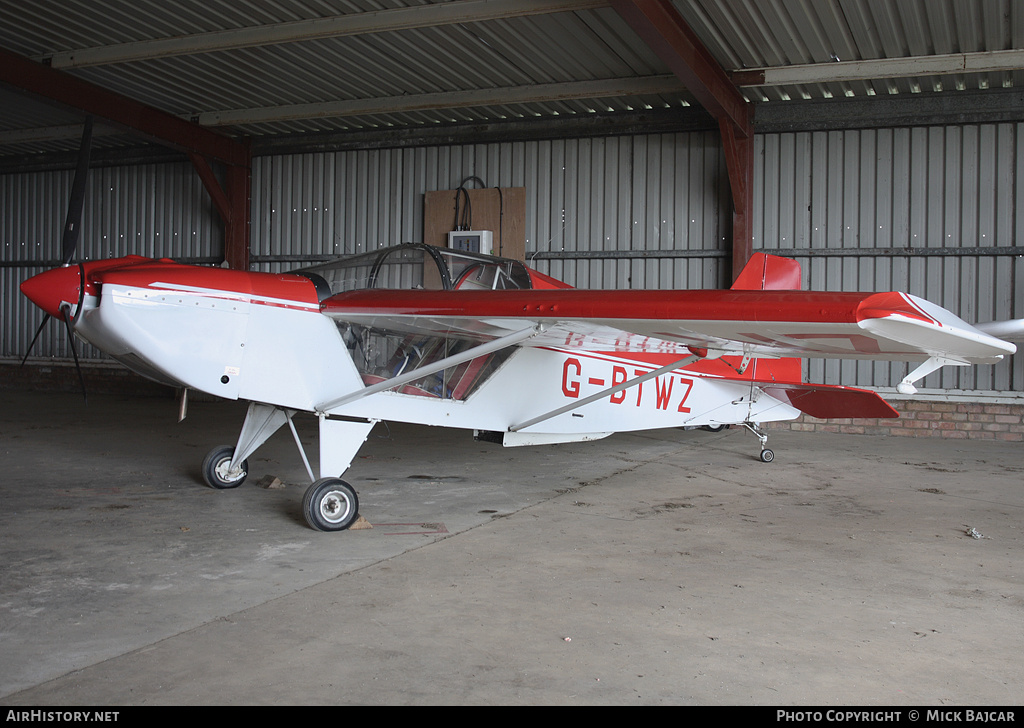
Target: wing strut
{"x":502,"y":342}
{"x":605,"y":393}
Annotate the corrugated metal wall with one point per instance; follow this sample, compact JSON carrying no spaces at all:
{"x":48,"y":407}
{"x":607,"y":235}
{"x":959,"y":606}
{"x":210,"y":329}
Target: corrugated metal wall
{"x":932,"y":211}
{"x":906,"y":209}
{"x":156,"y":210}
{"x":594,"y":207}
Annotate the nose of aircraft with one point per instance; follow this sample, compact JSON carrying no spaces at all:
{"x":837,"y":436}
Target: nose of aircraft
{"x":53,"y":288}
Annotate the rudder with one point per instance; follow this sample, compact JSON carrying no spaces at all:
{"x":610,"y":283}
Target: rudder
{"x":768,"y":273}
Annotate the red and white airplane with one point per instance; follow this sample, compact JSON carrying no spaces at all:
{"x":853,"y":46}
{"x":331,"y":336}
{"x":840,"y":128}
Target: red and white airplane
{"x":420,"y":334}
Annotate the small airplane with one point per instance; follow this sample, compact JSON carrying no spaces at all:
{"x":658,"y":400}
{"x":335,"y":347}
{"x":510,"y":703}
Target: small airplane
{"x":421,"y":334}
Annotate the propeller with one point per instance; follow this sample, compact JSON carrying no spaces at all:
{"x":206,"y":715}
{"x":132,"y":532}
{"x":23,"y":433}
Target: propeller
{"x":46,"y":289}
{"x":73,"y":221}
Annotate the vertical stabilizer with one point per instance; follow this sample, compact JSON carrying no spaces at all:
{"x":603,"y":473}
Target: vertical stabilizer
{"x":768,"y":273}
{"x":771,"y":273}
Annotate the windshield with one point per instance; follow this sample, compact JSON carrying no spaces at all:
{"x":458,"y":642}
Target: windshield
{"x":417,"y":265}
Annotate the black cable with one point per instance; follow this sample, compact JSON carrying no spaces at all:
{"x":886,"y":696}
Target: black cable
{"x":467,"y":215}
{"x":501,"y":220}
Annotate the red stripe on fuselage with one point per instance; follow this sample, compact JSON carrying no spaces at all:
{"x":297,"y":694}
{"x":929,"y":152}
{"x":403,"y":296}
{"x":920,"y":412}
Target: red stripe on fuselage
{"x":267,"y":289}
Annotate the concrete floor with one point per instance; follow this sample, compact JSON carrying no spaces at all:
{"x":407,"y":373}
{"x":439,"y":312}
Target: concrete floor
{"x":667,"y":567}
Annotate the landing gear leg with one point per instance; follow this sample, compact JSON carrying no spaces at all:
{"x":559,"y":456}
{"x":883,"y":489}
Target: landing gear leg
{"x":226,"y":466}
{"x":331,"y":504}
{"x":766,"y":454}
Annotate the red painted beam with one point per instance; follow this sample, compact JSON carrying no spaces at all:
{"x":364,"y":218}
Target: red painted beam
{"x":664,"y":30}
{"x":233,"y":205}
{"x":26,"y":75}
{"x":236,"y":232}
{"x":739,"y":161}
{"x":213,"y":186}
{"x":201,"y":144}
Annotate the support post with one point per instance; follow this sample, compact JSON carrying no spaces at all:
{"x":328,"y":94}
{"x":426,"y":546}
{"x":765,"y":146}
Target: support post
{"x":739,"y":161}
{"x":236,"y":232}
{"x":232,"y":202}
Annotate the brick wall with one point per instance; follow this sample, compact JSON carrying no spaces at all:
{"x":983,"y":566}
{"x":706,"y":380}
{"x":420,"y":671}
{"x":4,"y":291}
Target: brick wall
{"x":932,"y":417}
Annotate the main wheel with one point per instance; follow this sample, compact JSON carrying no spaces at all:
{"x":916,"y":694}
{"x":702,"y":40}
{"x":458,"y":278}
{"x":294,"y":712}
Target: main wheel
{"x":330,"y":504}
{"x":217,"y":469}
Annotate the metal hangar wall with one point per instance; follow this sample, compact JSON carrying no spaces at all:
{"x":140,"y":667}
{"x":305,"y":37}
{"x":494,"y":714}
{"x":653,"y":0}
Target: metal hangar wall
{"x":931,"y":210}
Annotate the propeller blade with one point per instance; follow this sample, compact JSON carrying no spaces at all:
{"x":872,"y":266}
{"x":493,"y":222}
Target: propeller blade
{"x":73,"y":222}
{"x":66,"y":311}
{"x":35,"y":339}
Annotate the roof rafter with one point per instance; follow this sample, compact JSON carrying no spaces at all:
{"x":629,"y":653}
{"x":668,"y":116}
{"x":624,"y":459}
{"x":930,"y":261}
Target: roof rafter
{"x":879,"y":68}
{"x":20,"y":73}
{"x":602,"y":88}
{"x":660,"y":26}
{"x":379,"y":21}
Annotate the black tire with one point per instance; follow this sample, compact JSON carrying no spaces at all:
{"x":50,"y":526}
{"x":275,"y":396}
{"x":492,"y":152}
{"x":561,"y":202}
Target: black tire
{"x":767,"y":456}
{"x":330,"y":504}
{"x":215,"y":469}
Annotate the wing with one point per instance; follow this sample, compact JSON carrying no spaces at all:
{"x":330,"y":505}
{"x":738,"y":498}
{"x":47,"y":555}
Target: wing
{"x":877,"y":326}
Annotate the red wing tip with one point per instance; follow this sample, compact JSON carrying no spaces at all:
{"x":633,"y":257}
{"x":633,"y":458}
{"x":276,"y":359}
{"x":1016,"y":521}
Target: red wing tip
{"x":893,"y":303}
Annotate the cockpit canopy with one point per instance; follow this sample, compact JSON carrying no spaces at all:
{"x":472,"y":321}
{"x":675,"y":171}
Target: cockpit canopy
{"x":380,"y":354}
{"x":417,"y":265}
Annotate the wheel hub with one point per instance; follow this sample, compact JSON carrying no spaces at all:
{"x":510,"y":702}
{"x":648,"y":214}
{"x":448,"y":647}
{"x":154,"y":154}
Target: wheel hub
{"x":225,"y":473}
{"x":334,"y":507}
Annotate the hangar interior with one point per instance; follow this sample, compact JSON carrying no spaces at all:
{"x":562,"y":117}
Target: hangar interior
{"x":883,"y":142}
{"x":648,"y":145}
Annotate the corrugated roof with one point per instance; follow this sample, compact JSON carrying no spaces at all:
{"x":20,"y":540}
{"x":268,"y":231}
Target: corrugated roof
{"x":255,"y":67}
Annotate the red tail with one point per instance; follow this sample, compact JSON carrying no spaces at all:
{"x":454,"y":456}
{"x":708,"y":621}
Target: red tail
{"x":768,"y":273}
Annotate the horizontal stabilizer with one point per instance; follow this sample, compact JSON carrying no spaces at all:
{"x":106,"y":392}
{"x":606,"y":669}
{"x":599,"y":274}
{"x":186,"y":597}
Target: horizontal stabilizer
{"x":825,"y":401}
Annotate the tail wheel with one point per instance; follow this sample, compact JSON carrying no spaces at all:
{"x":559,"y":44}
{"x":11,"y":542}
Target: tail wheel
{"x":330,"y":504}
{"x":217,"y":472}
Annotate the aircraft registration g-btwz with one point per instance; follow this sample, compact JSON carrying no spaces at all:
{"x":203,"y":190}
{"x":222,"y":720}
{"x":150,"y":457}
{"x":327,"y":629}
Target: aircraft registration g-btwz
{"x":427,"y":335}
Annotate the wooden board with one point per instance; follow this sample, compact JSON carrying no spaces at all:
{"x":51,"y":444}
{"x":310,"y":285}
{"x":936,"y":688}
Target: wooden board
{"x":503,"y":212}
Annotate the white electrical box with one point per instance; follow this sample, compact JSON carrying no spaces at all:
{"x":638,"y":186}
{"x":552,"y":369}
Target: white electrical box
{"x":472,"y":241}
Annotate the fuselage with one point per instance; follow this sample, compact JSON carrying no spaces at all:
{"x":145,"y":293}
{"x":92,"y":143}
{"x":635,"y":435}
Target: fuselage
{"x":262,"y":337}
